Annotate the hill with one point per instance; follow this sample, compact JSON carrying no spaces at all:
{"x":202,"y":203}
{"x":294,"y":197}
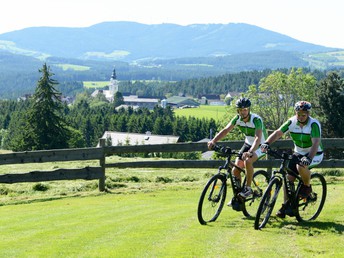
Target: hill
{"x":130,"y":41}
{"x":165,"y":52}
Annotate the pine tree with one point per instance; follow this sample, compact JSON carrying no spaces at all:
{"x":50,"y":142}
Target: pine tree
{"x":45,"y":128}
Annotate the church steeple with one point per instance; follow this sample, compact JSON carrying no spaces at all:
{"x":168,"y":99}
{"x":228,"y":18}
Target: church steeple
{"x":113,"y":87}
{"x":113,"y":76}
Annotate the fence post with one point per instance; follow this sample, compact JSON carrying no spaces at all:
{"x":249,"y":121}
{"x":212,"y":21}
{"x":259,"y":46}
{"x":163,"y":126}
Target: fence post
{"x":102,"y":165}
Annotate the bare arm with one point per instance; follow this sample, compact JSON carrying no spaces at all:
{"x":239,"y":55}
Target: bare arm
{"x":314,"y":148}
{"x":220,"y":135}
{"x":274,"y":136}
{"x":257,"y":140}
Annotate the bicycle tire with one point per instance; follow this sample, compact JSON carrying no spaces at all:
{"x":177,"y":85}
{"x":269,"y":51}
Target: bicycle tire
{"x":267,"y":203}
{"x":309,"y":208}
{"x":260,"y":182}
{"x":212,"y":199}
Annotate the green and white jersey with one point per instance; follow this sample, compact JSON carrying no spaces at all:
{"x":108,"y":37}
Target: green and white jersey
{"x":302,"y":136}
{"x":249,"y":128}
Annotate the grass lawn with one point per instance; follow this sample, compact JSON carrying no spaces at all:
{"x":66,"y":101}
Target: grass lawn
{"x":153,"y":213}
{"x":219,"y":113}
{"x":95,"y":84}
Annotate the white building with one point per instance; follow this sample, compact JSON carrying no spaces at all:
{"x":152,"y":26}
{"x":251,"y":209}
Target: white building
{"x":113,"y":88}
{"x":124,"y":138}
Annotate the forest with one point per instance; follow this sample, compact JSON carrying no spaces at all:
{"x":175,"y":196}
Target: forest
{"x":194,"y":76}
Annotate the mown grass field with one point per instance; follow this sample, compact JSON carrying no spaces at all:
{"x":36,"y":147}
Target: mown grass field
{"x":150,"y":212}
{"x":219,"y":113}
{"x":95,"y":84}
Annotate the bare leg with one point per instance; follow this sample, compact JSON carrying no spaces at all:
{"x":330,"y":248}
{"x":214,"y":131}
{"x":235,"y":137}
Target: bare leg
{"x":236,"y":172}
{"x":305,"y":175}
{"x":249,"y":168}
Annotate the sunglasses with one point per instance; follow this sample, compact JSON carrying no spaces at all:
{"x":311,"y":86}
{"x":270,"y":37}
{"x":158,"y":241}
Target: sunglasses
{"x":242,"y":109}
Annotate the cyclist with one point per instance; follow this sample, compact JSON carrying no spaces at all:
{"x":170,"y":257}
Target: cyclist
{"x":252,"y":126}
{"x":305,"y":132}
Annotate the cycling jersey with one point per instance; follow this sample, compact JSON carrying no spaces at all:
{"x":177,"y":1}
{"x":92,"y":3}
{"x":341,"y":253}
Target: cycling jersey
{"x":249,"y":128}
{"x":302,"y":136}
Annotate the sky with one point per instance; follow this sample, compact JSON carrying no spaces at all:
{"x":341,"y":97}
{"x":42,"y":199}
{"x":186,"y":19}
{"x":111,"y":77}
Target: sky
{"x":313,"y":21}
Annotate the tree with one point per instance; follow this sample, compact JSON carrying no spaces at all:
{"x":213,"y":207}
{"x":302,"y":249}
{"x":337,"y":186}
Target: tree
{"x":277,"y":93}
{"x":45,"y":127}
{"x":118,"y":99}
{"x":331,"y":103}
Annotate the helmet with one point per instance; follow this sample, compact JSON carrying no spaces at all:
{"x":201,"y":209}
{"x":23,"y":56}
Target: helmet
{"x":243,"y":103}
{"x":302,"y":106}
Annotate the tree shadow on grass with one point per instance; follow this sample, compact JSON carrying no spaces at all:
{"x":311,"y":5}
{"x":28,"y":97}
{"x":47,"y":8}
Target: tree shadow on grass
{"x":319,"y":226}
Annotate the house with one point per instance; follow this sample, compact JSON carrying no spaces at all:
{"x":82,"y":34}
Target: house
{"x":178,"y":102}
{"x":24,"y":98}
{"x":124,"y":138}
{"x":134,"y":100}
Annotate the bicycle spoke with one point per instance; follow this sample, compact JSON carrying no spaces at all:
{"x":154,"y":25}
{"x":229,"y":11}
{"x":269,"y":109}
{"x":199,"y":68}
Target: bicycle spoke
{"x":259,"y":183}
{"x":212,"y":199}
{"x":267,"y":203}
{"x":309,"y":208}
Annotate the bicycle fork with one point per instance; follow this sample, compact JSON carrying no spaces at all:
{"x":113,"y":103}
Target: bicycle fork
{"x":217,"y":196}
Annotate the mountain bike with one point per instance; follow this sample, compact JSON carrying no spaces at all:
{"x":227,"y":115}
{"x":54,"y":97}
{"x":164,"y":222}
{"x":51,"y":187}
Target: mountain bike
{"x":304,"y":209}
{"x":213,"y":196}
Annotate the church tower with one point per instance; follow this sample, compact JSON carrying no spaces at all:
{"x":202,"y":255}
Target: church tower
{"x":113,"y":87}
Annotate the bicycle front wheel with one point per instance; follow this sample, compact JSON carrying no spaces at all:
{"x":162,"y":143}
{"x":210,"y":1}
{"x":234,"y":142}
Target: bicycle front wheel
{"x":212,"y":199}
{"x":267,"y":203}
{"x":309,"y":208}
{"x":259,"y":183}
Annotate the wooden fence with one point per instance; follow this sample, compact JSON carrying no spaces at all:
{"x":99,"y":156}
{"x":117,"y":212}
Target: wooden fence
{"x":100,"y":154}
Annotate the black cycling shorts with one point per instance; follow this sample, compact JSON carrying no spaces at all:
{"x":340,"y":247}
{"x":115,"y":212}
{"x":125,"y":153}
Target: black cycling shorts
{"x":243,"y":149}
{"x":294,"y":160}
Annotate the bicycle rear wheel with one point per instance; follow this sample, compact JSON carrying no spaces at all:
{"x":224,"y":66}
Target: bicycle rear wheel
{"x":267,"y":203}
{"x":309,"y":208}
{"x":212,"y":199}
{"x":259,"y":183}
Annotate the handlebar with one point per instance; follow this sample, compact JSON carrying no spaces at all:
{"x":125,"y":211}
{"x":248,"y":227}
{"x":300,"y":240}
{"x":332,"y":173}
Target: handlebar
{"x":277,"y":155}
{"x":284,"y":155}
{"x":224,"y":150}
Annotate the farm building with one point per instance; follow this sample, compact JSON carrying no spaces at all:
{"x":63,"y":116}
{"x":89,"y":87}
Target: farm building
{"x":178,"y":102}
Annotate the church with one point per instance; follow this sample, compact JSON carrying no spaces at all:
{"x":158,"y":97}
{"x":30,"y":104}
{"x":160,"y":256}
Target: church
{"x":131,"y":100}
{"x":113,"y":88}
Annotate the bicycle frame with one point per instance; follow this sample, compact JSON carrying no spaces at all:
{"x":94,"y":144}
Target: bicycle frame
{"x":228,"y":166}
{"x":284,"y":171}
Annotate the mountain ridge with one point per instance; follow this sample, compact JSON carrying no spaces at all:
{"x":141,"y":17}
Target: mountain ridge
{"x":131,"y":41}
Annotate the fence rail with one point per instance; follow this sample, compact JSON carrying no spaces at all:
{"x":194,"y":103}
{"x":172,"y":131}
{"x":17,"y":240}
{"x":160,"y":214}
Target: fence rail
{"x":100,"y":154}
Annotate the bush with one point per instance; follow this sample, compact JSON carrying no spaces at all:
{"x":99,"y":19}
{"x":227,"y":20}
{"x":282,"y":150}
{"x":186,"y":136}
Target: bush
{"x":163,"y":179}
{"x":40,"y":187}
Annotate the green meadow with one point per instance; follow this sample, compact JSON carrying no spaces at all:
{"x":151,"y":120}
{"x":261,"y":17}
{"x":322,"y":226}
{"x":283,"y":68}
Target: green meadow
{"x":95,"y":84}
{"x":218,"y":113}
{"x":152,"y":212}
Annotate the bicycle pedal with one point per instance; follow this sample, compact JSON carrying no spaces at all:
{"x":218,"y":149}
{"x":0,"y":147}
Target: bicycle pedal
{"x":240,"y":198}
{"x":257,"y":193}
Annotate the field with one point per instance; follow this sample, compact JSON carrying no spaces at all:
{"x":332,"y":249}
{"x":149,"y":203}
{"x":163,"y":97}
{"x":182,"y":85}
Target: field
{"x":73,"y":67}
{"x":320,"y":60}
{"x":219,"y":113}
{"x":95,"y":84}
{"x":152,"y":213}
